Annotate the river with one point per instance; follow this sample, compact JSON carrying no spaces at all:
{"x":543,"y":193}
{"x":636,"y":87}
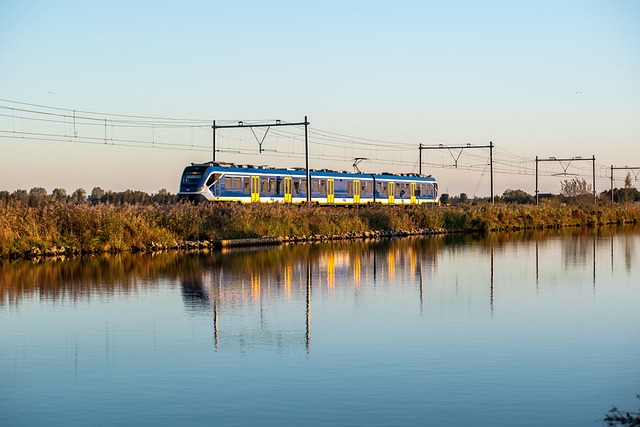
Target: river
{"x":519,"y":329}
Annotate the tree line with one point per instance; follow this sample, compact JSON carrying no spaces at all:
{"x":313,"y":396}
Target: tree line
{"x":39,"y":196}
{"x":572,"y":191}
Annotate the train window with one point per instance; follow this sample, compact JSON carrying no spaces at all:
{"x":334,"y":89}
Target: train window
{"x":402,"y":191}
{"x":303,"y":186}
{"x":191,"y":178}
{"x":272,"y":185}
{"x":314,"y":185}
{"x":349,"y":187}
{"x":323,"y":186}
{"x":296,"y":187}
{"x":263,"y":186}
{"x":192,"y":175}
{"x":228,"y":183}
{"x":368,"y":189}
{"x":246,"y":182}
{"x":279,"y":186}
{"x":237,"y":183}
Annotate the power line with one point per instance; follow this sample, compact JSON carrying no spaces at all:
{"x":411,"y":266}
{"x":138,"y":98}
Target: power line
{"x":187,"y":134}
{"x":103,"y":114}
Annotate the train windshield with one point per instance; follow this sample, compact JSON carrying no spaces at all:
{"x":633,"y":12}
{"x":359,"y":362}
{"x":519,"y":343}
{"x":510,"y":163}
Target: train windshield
{"x":192,"y":175}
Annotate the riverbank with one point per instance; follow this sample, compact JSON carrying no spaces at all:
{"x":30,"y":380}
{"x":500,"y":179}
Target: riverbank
{"x":55,"y":229}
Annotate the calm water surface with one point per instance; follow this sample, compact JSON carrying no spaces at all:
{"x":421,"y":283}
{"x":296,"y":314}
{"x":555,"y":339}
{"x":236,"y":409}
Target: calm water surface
{"x":509,"y":330}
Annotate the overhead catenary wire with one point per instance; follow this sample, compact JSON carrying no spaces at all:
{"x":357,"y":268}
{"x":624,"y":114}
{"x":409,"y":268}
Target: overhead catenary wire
{"x":81,"y":126}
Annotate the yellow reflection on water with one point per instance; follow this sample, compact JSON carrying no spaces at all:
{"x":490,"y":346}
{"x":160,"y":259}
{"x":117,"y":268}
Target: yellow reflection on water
{"x":356,"y":271}
{"x":331,"y":266}
{"x":391,"y":265}
{"x":288,"y":272}
{"x":255,"y":287}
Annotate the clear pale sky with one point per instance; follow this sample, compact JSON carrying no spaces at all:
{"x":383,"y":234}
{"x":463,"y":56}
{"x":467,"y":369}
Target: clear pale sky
{"x":537,"y":78}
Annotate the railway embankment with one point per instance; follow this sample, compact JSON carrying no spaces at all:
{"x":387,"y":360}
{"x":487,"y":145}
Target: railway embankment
{"x":57,"y":229}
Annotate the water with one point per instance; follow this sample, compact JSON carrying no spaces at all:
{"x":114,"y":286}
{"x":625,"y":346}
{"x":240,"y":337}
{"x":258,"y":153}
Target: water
{"x":509,"y":330}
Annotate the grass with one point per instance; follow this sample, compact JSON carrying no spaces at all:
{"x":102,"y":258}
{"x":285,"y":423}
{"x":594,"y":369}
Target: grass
{"x":95,"y":228}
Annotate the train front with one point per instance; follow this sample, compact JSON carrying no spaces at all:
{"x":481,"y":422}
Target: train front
{"x":193,"y":186}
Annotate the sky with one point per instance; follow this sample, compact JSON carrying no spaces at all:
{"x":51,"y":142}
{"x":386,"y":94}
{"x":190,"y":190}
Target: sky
{"x":121,"y":95}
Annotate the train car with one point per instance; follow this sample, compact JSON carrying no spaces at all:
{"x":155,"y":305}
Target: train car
{"x":227,"y":182}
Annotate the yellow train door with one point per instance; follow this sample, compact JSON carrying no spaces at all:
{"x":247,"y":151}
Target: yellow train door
{"x":413,"y":193}
{"x":330,"y":190}
{"x":356,"y":191}
{"x":287,"y":189}
{"x":391,"y":190}
{"x":255,"y":189}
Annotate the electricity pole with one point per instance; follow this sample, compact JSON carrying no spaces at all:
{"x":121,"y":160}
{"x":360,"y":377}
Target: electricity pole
{"x":572,"y":159}
{"x":269,"y":125}
{"x":455,"y":159}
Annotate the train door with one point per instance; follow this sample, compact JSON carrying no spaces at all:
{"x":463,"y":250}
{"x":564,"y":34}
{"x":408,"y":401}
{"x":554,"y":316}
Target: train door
{"x":255,"y":189}
{"x":391,"y":192}
{"x":330,"y":190}
{"x":356,"y":191}
{"x":413,"y":193}
{"x":287,"y":189}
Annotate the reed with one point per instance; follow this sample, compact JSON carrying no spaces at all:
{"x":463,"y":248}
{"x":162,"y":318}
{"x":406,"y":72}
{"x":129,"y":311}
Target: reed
{"x":92,"y":228}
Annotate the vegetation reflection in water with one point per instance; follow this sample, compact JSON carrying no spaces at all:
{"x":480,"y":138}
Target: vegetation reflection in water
{"x":277,"y":268}
{"x":218,"y":282}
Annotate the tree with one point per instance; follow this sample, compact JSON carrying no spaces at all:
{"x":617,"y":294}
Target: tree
{"x":37,"y":196}
{"x":517,"y":196}
{"x":163,"y":197}
{"x":96,"y":195}
{"x":627,"y":192}
{"x":463,"y":197}
{"x":576,"y":190}
{"x":59,"y":194}
{"x":20,"y":195}
{"x":575,"y":187}
{"x":78,"y":196}
{"x":444,"y":199}
{"x":5,"y":196}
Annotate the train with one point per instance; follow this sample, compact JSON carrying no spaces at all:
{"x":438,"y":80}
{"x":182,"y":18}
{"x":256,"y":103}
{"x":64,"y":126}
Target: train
{"x":228,"y":182}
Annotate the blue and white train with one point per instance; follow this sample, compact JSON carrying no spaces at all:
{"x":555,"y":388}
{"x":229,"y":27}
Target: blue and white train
{"x":221,"y":182}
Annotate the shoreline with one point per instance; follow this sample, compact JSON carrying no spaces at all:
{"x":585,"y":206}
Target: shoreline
{"x":191,"y":245}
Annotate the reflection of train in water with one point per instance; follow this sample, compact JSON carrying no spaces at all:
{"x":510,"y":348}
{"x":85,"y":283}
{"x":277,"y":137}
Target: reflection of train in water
{"x":217,"y":181}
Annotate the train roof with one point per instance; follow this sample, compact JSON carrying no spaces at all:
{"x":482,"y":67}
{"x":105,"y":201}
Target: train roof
{"x":232,"y":167}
